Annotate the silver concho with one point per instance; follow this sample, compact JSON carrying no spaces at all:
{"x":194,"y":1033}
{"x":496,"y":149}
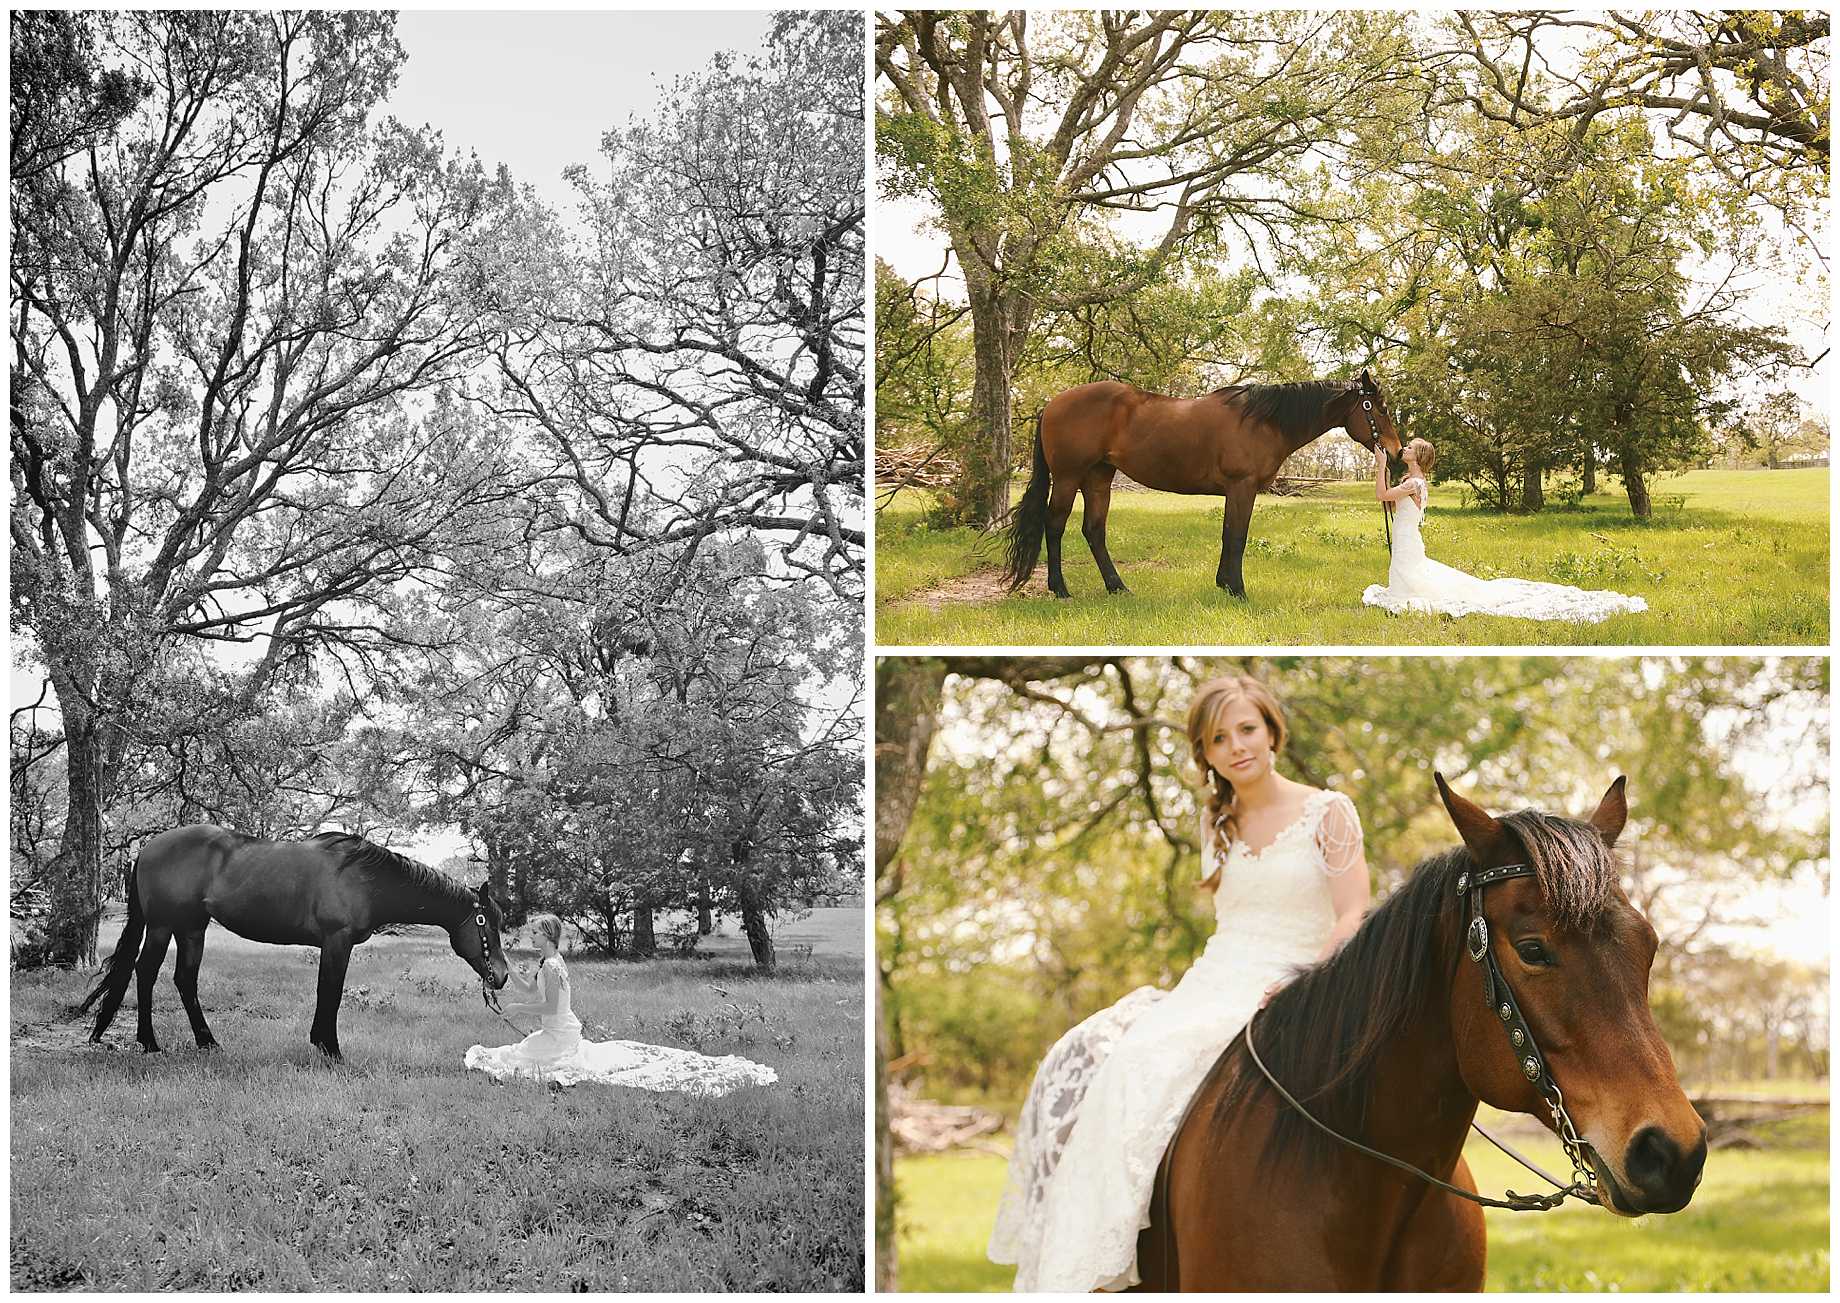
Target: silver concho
{"x":1518,"y":1039}
{"x":1505,"y":1012}
{"x":1531,"y":1066}
{"x":1478,"y":940}
{"x":1462,"y":883}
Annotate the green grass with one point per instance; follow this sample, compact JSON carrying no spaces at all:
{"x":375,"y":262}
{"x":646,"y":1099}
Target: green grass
{"x":263,"y":1167}
{"x":1730,"y":557}
{"x":1758,"y":1222}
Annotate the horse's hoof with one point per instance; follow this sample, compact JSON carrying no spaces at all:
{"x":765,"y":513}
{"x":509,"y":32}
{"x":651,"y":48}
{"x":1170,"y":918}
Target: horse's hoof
{"x":204,"y":1046}
{"x":1120,"y":591}
{"x":149,"y":1049}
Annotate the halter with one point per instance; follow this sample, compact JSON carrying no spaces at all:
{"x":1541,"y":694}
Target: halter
{"x":1500,"y":999}
{"x":1370,"y":391}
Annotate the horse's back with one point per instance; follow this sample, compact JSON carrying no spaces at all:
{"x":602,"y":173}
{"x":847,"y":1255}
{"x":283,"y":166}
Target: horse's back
{"x":263,"y":890}
{"x":1178,"y":445}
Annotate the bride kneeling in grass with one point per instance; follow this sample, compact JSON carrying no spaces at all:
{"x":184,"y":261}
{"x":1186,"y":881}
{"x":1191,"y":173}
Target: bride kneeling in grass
{"x":556,"y":1052}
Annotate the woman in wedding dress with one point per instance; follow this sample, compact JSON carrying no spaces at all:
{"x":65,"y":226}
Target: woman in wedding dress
{"x":1414,"y":582}
{"x":1285,"y":866}
{"x":556,"y":1052}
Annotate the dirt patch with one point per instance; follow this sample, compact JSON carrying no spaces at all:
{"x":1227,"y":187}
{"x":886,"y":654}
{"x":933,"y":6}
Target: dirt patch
{"x":978,"y":586}
{"x":57,"y":1038}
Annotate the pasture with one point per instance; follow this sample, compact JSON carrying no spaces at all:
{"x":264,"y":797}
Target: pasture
{"x":261,"y":1166}
{"x":1758,"y":1222}
{"x":1729,"y":558}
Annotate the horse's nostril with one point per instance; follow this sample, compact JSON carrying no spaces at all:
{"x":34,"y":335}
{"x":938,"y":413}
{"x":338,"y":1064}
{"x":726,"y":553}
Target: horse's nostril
{"x":1653,"y":1158}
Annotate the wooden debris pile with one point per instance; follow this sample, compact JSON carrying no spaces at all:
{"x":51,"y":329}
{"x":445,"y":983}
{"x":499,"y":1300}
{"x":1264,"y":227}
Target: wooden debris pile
{"x":923,"y":1126}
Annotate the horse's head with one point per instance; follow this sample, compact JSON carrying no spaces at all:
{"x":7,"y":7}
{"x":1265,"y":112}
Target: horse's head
{"x":1366,"y":418}
{"x":476,"y":939}
{"x":1574,"y":956}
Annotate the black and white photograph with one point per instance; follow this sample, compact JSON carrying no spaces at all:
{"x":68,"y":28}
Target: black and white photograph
{"x":436,"y":751}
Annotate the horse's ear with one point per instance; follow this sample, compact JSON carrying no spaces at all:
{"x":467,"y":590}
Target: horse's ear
{"x":1612,"y":812}
{"x":1367,"y":381}
{"x":1480,"y":830}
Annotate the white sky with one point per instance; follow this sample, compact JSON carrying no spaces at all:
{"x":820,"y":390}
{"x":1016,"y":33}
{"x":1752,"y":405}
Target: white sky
{"x":536,"y":90}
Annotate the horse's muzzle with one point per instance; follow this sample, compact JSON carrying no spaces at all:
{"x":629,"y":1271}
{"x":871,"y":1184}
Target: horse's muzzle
{"x":1659,"y":1176}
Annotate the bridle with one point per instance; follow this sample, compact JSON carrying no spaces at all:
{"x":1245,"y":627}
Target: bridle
{"x":1368,"y":392}
{"x":1502,"y":1005}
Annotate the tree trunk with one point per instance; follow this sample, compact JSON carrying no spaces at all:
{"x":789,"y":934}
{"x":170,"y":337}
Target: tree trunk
{"x":907,"y":695}
{"x":644,"y":940}
{"x":754,"y":925}
{"x":999,"y":324}
{"x":1590,"y":471}
{"x":498,"y":872}
{"x":1630,"y":467}
{"x":705,"y":914}
{"x":76,"y":870}
{"x":887,"y":1264}
{"x":1533,"y":491}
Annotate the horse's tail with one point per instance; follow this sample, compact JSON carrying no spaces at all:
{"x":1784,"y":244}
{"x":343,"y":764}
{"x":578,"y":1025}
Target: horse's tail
{"x":118,"y":970}
{"x":1029,"y":524}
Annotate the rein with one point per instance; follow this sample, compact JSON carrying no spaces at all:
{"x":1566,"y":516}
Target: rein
{"x":1500,"y":998}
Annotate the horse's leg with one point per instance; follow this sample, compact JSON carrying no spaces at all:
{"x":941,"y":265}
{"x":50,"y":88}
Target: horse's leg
{"x":334,"y":957}
{"x":1098,"y":494}
{"x":1060,"y":506}
{"x":146,"y":973}
{"x":1234,"y":526}
{"x":185,"y":977}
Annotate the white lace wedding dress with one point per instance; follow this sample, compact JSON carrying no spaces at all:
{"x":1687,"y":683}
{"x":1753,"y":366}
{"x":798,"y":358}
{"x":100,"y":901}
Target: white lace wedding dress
{"x":556,"y":1052}
{"x":1414,"y":582}
{"x":1109,"y":1095}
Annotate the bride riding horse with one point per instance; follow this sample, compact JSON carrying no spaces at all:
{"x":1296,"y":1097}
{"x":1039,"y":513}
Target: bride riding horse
{"x":1230,"y":442}
{"x":1325,"y":1150}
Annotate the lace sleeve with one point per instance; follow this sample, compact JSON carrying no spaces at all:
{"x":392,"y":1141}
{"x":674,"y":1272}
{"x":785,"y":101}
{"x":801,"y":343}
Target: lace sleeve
{"x":1338,"y":837}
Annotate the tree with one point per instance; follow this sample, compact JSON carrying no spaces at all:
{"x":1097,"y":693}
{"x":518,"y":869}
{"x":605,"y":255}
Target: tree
{"x":223,"y":297}
{"x":697,"y":369}
{"x":1745,"y":92}
{"x":1777,"y":427}
{"x":1026,"y":132}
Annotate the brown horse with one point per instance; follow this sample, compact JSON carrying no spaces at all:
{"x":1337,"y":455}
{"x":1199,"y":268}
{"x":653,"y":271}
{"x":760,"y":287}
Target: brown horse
{"x":1392,"y":1041}
{"x":1230,"y":442}
{"x":332,"y":890}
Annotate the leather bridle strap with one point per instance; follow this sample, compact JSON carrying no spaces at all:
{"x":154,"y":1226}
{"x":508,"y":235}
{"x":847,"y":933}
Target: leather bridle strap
{"x":1500,"y":998}
{"x":1512,"y":1202}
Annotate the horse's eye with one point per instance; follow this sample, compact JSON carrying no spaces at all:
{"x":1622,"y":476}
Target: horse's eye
{"x":1534,"y":953}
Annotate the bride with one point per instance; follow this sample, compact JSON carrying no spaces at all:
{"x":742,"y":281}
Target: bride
{"x":555,"y":1052}
{"x":1414,"y":582}
{"x":1289,"y":880}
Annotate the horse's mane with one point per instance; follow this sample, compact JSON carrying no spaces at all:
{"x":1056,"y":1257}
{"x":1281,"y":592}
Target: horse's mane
{"x":356,"y":852}
{"x":1294,"y":408}
{"x":1322,"y":1033}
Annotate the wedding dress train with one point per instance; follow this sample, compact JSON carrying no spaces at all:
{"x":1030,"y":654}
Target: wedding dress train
{"x":556,"y":1052}
{"x":1415,"y":582}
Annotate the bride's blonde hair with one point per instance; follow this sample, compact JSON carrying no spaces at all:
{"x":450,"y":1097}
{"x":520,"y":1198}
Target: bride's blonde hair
{"x":1210,"y":703}
{"x":1424,"y":454}
{"x":549,"y":925}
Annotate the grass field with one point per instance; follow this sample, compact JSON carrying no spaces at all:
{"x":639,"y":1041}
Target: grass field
{"x":262,"y":1167}
{"x":1758,"y":1222}
{"x":1730,"y":557}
